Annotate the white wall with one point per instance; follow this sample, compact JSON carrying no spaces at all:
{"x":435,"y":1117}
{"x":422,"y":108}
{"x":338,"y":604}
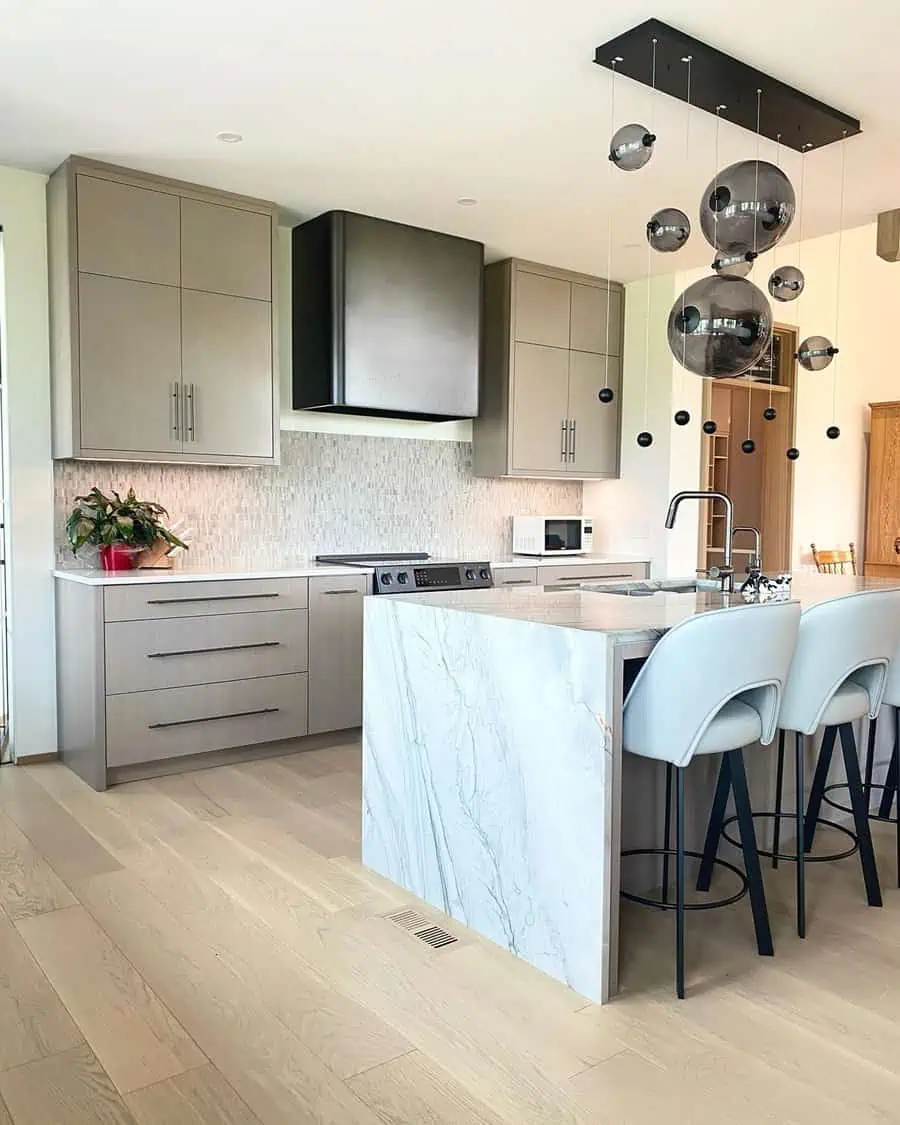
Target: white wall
{"x":830,"y":476}
{"x":27,"y":468}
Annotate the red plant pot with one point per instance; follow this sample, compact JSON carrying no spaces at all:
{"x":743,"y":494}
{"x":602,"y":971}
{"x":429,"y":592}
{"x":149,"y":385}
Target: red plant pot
{"x":117,"y":556}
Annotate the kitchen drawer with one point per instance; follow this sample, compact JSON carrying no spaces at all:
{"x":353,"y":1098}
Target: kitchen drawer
{"x":559,"y":575}
{"x":147,"y":726}
{"x":141,"y":602}
{"x":515,"y":576}
{"x":178,"y":651}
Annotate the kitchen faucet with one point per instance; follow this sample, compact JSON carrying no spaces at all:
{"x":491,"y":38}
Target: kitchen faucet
{"x":725,"y":572}
{"x":755,"y":563}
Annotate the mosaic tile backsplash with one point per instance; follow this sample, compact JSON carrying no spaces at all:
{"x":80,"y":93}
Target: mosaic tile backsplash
{"x":331,"y":493}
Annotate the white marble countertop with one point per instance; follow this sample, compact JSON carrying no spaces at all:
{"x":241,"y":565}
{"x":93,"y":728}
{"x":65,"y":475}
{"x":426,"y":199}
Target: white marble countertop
{"x":298,"y":568}
{"x":589,"y":609}
{"x":509,"y":561}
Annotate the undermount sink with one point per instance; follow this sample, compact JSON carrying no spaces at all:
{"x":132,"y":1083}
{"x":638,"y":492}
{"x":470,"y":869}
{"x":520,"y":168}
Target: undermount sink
{"x":647,"y":587}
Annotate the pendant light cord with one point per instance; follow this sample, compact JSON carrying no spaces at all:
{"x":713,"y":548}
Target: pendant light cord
{"x":688,"y":59}
{"x":609,"y":174}
{"x":755,"y":244}
{"x":837,"y":294}
{"x":649,"y":246}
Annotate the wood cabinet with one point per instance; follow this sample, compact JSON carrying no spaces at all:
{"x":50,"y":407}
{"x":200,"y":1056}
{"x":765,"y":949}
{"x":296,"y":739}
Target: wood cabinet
{"x":553,"y":340}
{"x":882,"y":558}
{"x":151,"y":671}
{"x":162,"y":308}
{"x":336,"y":652}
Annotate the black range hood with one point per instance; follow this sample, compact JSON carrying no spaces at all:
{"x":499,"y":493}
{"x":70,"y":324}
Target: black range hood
{"x":386,"y":319}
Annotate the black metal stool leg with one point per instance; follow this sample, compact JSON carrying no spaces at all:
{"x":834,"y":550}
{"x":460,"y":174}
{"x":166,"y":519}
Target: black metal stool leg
{"x":890,"y":782}
{"x":817,"y":792}
{"x":667,"y":833}
{"x":716,"y":823}
{"x":860,"y":815}
{"x":751,"y":855}
{"x":679,"y":883}
{"x":779,"y":789}
{"x":895,"y":758}
{"x":801,"y":844}
{"x":870,"y":760}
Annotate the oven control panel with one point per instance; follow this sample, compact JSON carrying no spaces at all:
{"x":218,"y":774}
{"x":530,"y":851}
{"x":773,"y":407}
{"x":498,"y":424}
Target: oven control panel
{"x":422,"y":577}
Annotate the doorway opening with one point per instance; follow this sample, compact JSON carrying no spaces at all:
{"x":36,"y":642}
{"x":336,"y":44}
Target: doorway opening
{"x":761,"y":483}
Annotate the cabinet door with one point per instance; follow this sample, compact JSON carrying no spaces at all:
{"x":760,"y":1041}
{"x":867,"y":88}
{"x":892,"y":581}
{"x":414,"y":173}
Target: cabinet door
{"x":226,"y":250}
{"x":883,"y":517}
{"x":539,"y":409}
{"x":335,"y":652}
{"x":595,"y":437}
{"x":541,"y":309}
{"x":227,"y":375}
{"x":592,"y":306}
{"x":130,"y":365}
{"x":126,"y":231}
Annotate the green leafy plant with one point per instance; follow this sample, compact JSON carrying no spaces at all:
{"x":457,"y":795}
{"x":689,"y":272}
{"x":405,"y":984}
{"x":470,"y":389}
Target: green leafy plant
{"x":102,"y":520}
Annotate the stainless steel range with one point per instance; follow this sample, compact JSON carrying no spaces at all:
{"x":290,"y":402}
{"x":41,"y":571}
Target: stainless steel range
{"x":417,"y":573}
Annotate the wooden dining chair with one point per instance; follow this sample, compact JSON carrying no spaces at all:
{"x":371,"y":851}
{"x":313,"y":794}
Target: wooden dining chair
{"x":835,"y":562}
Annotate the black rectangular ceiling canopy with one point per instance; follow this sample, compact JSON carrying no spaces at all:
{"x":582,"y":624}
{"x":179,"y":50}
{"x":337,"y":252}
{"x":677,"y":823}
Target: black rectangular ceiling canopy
{"x":718,"y":79}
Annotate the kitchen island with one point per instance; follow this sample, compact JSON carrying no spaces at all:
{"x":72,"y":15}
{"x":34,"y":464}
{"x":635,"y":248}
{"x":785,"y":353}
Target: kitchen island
{"x":492,"y":758}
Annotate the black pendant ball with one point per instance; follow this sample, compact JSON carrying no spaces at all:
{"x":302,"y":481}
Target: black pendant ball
{"x":769,"y":413}
{"x":748,"y":445}
{"x":709,"y":427}
{"x":606,"y":394}
{"x":793,"y":454}
{"x":644,"y":439}
{"x":833,"y":432}
{"x":682,"y":417}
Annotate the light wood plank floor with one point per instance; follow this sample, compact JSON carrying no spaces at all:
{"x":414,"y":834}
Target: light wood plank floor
{"x":206,"y":948}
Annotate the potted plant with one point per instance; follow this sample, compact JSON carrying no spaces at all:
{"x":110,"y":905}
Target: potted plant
{"x":121,"y":528}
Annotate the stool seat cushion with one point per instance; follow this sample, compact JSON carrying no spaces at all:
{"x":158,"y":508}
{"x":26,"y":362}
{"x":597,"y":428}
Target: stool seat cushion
{"x":849,"y":702}
{"x":735,"y":726}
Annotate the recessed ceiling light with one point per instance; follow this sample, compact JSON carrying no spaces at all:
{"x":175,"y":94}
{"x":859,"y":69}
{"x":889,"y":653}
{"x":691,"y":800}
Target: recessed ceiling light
{"x":467,"y":201}
{"x":230,"y":138}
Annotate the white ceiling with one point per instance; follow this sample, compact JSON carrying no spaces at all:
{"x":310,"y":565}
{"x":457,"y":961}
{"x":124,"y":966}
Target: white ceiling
{"x":399,"y":107}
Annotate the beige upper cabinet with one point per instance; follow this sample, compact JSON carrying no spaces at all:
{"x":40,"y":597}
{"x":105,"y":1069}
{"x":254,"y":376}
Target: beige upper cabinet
{"x":596,"y":324}
{"x":541,"y":307}
{"x":226,"y":250}
{"x":227,"y":374}
{"x":162,"y":319}
{"x":552,"y":341}
{"x":127,"y":231}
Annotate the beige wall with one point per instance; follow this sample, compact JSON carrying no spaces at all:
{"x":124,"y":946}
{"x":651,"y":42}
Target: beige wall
{"x":28,"y":493}
{"x":829,"y":491}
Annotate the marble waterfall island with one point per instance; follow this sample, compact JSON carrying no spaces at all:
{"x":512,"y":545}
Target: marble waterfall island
{"x":488,"y":767}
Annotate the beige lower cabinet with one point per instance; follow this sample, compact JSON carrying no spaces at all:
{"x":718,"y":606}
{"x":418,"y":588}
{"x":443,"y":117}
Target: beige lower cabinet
{"x":154,"y":671}
{"x":336,"y":652}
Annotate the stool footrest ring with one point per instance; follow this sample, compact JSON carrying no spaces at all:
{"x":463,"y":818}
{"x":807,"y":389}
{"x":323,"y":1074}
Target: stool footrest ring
{"x":659,"y":905}
{"x":791,"y":857}
{"x":847,"y":809}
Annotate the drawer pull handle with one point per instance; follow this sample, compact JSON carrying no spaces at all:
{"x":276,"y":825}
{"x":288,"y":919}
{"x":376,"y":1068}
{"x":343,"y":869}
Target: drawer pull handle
{"x":517,"y":582}
{"x":587,"y":577}
{"x":219,"y":648}
{"x":213,"y":718}
{"x":354,"y":591}
{"x":211,"y":598}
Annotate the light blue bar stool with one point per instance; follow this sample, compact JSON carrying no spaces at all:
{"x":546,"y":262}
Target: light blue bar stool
{"x":712,"y":684}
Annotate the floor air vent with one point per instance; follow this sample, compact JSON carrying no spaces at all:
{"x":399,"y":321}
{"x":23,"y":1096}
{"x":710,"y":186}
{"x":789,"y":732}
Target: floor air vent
{"x":422,"y":928}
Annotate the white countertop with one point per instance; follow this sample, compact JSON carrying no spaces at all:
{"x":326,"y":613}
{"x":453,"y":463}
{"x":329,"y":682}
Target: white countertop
{"x":589,"y":609}
{"x":298,"y":568}
{"x":509,"y":561}
{"x":301,"y":568}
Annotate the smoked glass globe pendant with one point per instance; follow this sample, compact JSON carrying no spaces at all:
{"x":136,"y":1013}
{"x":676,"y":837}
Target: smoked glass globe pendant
{"x":747,"y":206}
{"x":631,"y":147}
{"x":720,"y":326}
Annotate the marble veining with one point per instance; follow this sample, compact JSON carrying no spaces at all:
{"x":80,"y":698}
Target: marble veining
{"x":332,"y":493}
{"x":485,"y":777}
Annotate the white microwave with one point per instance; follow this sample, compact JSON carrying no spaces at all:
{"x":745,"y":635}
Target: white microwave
{"x":552,"y":535}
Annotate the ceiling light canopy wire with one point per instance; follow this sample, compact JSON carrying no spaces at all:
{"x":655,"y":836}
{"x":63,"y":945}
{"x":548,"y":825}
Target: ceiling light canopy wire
{"x":837,"y":284}
{"x":609,"y":177}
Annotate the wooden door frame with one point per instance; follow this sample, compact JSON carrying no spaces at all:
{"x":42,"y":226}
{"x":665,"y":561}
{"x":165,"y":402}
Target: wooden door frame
{"x":782,"y":498}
